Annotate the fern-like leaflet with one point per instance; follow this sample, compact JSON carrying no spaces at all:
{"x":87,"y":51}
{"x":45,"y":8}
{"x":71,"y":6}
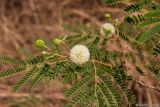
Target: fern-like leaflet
{"x":25,"y":78}
{"x":11,"y":72}
{"x":39,"y":76}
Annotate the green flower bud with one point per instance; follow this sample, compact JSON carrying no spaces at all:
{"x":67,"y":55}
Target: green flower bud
{"x":39,"y":43}
{"x":57,"y":41}
{"x":107,"y":16}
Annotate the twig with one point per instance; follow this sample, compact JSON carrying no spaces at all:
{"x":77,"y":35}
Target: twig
{"x":149,"y":97}
{"x":102,"y":63}
{"x":145,"y":85}
{"x":55,"y":96}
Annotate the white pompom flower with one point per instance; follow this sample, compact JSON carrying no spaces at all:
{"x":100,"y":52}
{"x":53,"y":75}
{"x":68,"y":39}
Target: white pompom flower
{"x":80,"y":54}
{"x":108,"y":27}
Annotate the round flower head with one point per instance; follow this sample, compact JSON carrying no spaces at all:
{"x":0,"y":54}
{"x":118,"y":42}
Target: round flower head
{"x":108,"y":27}
{"x":57,"y":41}
{"x":79,"y":54}
{"x":107,"y":16}
{"x":39,"y":43}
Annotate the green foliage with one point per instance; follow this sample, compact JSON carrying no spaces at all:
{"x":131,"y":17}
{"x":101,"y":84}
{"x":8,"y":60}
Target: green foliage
{"x":99,"y":78}
{"x":137,"y":6}
{"x":11,"y":72}
{"x":156,"y":50}
{"x":39,"y":76}
{"x":25,"y":78}
{"x":9,"y":60}
{"x":155,"y":68}
{"x":103,"y":78}
{"x":148,"y":34}
{"x":100,"y":89}
{"x":55,"y":71}
{"x":114,"y":1}
{"x":135,"y":19}
{"x":26,"y":53}
{"x":149,"y":18}
{"x":140,"y":70}
{"x":140,"y":53}
{"x":35,"y":60}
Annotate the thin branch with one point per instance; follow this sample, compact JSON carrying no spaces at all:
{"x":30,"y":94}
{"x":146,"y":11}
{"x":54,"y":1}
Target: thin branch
{"x":145,"y":85}
{"x":55,"y":96}
{"x":102,"y":63}
{"x":95,"y":76}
